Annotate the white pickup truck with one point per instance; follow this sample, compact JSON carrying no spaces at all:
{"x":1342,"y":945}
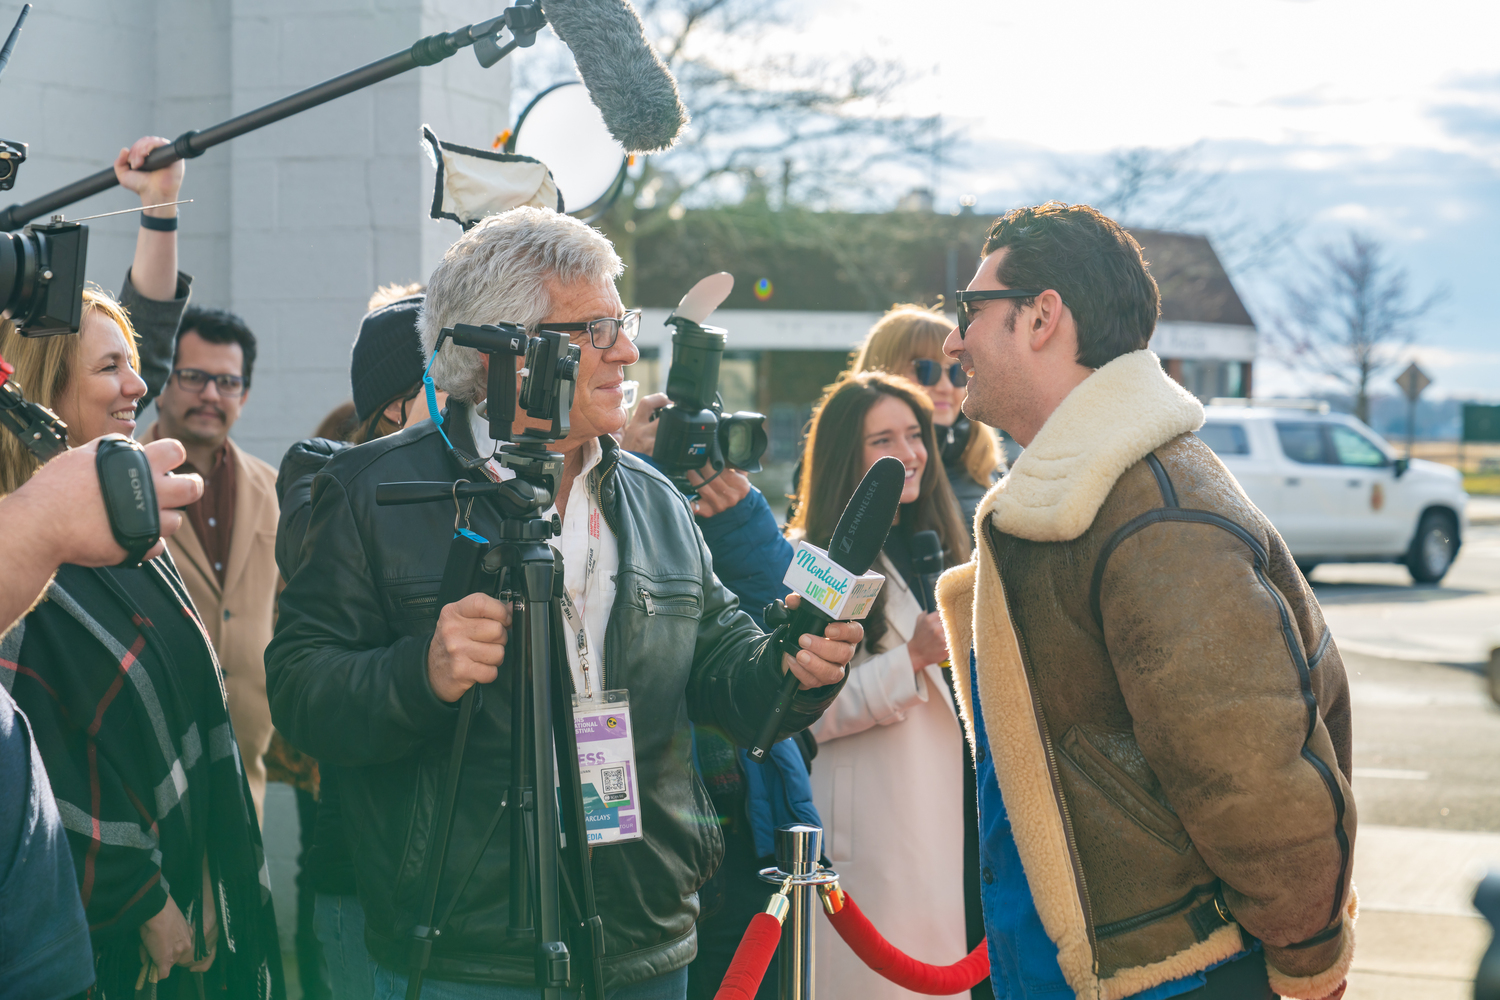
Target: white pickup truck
{"x":1335,"y":490}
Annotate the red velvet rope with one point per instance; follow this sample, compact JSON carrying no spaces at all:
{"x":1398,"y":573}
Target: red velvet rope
{"x":903,"y":970}
{"x":751,"y":959}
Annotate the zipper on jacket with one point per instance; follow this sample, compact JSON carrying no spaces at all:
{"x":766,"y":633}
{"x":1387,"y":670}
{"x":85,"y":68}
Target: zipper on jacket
{"x":650,"y":605}
{"x":1052,"y":769}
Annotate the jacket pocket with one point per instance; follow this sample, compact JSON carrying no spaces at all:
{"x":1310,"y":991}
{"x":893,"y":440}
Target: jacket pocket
{"x":1107,"y":758}
{"x":658,"y":599}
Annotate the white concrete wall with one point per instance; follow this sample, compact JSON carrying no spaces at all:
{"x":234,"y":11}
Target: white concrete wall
{"x":292,"y":226}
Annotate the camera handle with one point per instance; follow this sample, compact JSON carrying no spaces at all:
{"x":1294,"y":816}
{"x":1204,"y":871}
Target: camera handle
{"x":523,"y":20}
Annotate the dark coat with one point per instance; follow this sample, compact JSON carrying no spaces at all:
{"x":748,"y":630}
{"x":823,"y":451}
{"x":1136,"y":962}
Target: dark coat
{"x":347,"y":672}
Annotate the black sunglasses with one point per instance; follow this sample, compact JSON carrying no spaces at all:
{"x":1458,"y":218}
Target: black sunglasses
{"x":930,"y":372}
{"x":604,"y":332}
{"x":964,"y":298}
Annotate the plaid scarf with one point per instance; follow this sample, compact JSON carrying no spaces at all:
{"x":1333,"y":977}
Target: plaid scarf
{"x":127,"y":703}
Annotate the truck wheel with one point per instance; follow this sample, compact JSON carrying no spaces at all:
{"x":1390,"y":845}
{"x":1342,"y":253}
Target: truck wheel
{"x":1434,"y":548}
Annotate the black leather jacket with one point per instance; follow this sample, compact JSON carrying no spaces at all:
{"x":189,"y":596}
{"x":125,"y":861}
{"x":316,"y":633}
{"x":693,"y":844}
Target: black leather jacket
{"x":347,"y":678}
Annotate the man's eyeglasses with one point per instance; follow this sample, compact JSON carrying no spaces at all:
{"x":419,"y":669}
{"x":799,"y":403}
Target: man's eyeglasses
{"x":966,"y":316}
{"x":930,"y":372}
{"x":603,"y":332}
{"x":195,"y":381}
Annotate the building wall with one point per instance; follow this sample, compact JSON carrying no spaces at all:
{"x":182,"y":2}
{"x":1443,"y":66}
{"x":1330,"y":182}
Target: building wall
{"x":292,"y":226}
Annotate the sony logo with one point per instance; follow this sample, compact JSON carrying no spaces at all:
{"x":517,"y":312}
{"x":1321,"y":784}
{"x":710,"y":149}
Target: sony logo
{"x":138,"y":489}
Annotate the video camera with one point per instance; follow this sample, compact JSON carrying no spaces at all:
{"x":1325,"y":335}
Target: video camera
{"x":694,"y":429}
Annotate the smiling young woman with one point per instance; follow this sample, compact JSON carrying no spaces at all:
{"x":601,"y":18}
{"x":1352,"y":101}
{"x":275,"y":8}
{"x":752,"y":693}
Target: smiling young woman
{"x":888,"y":780}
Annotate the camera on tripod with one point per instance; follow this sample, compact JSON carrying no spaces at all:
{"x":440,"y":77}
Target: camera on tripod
{"x":694,"y":430}
{"x":551,"y":896}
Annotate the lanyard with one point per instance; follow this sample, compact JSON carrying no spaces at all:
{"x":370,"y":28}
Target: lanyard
{"x":582,"y":639}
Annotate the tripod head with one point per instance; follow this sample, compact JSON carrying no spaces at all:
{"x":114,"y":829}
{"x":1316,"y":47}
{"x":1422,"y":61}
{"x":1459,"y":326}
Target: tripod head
{"x":546,"y":393}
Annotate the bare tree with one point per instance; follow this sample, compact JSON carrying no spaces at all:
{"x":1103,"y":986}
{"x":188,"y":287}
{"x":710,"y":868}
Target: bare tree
{"x":768,"y":128}
{"x":1352,"y":315}
{"x":1173,"y":189}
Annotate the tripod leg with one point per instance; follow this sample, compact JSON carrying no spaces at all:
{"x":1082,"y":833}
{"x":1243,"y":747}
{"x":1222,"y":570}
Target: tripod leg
{"x":552,"y":957}
{"x":570,"y":795}
{"x":522,"y":789}
{"x":459,"y":576}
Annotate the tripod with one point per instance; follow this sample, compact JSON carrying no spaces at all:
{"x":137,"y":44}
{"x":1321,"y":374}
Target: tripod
{"x":551,"y":886}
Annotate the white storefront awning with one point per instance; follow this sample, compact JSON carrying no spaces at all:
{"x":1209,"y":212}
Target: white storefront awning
{"x":809,"y":330}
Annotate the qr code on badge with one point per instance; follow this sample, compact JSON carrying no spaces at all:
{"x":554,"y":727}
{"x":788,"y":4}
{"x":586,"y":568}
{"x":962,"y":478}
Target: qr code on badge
{"x":614,"y":783}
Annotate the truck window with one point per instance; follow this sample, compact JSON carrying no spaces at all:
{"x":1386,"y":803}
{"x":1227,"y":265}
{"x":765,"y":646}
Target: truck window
{"x":1225,"y":438}
{"x":1303,"y":442}
{"x":1353,"y":448}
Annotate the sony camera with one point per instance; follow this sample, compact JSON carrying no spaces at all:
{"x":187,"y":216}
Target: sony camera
{"x":694,"y":429}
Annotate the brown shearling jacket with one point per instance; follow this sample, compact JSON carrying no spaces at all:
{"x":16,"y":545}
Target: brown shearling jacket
{"x":1169,"y":715}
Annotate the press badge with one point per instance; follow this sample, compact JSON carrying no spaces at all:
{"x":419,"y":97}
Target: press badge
{"x":606,"y":767}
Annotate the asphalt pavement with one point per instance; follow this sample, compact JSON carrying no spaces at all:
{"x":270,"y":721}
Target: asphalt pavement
{"x":1426,"y":764}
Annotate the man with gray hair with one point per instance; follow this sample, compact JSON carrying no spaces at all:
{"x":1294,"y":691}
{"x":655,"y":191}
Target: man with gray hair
{"x":365,"y":670}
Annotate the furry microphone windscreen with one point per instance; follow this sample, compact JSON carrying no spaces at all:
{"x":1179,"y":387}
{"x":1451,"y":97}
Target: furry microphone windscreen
{"x":626,"y":79}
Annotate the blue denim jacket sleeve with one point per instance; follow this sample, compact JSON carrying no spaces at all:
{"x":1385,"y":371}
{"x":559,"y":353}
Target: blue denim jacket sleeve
{"x":750,"y":553}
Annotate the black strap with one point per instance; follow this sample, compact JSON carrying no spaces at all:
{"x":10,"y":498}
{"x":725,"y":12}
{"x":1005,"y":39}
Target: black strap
{"x":156,"y":225}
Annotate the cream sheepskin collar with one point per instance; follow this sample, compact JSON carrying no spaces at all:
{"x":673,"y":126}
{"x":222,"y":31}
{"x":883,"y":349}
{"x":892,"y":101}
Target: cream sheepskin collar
{"x":1109,"y":422}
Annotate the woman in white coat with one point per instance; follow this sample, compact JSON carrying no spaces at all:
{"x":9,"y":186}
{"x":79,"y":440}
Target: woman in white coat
{"x":888,"y":778}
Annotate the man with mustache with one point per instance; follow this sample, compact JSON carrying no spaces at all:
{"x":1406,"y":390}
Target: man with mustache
{"x":227,"y":556}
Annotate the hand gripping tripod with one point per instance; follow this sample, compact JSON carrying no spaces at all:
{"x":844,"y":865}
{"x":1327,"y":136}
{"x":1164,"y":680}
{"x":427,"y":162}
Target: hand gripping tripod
{"x":551,"y":891}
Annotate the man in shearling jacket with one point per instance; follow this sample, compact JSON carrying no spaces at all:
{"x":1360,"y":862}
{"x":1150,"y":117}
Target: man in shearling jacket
{"x":1162,"y":720}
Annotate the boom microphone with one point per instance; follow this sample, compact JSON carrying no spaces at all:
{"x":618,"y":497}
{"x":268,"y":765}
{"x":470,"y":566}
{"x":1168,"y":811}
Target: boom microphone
{"x":626,"y":79}
{"x":835,"y":585}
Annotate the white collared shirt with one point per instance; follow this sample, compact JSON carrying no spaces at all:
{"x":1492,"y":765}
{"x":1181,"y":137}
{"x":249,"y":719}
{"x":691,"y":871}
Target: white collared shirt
{"x":593,"y":593}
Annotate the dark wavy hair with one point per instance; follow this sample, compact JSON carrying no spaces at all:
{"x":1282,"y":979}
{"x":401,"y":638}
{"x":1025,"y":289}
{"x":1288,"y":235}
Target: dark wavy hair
{"x":833,"y":464}
{"x":1089,"y":260}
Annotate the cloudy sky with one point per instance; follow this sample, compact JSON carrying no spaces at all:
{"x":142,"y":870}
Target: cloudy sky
{"x":1335,"y":115}
{"x":1332,"y":113}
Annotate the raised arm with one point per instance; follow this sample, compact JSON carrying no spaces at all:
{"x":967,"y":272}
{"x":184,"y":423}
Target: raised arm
{"x":154,"y":292}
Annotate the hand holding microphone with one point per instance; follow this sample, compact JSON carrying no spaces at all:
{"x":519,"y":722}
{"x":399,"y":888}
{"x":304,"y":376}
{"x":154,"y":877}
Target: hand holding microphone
{"x":836,"y":585}
{"x":928,"y":644}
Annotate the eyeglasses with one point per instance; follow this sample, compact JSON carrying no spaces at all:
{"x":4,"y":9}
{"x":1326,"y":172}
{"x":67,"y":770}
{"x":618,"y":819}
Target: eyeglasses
{"x":195,"y":381}
{"x":965,"y":316}
{"x":604,"y":332}
{"x":930,"y":372}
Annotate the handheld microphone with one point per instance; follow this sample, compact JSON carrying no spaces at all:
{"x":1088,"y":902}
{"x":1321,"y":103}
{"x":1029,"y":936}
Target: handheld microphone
{"x":927,"y":563}
{"x":626,"y":79}
{"x":835,"y":585}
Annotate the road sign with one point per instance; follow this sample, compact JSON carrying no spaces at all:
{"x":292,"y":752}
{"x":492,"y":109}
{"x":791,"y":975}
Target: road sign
{"x":1413,"y":381}
{"x":1481,"y":423}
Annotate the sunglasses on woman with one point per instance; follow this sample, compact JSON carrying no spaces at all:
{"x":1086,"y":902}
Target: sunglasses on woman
{"x":930,"y":372}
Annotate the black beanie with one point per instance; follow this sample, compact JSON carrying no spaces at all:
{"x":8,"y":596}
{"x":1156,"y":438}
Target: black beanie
{"x":387,"y":358}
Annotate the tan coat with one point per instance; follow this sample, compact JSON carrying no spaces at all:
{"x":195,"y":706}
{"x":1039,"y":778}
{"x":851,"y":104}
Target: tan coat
{"x":239,"y":616}
{"x":1168,"y":714}
{"x":888,"y":782}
